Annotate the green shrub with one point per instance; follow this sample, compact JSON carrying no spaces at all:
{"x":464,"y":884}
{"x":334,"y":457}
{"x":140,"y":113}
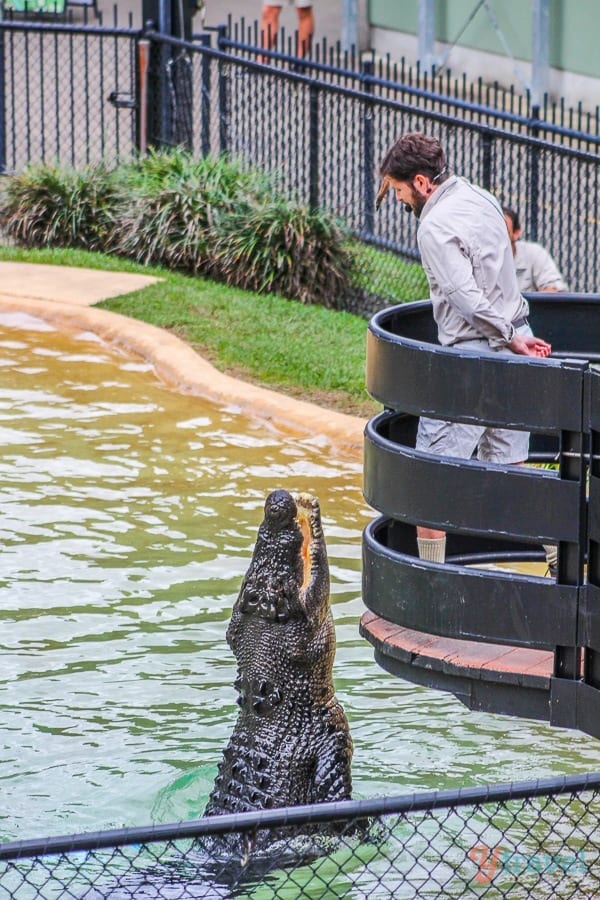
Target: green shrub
{"x":281,"y":247}
{"x":206,"y":216}
{"x":57,"y":206}
{"x":223,"y":179}
{"x":170,"y":227}
{"x":170,"y":207}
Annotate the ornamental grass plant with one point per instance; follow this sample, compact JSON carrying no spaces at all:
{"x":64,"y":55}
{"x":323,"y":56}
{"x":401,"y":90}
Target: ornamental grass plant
{"x":285,"y":248}
{"x":200,"y":216}
{"x":57,"y":206}
{"x":170,"y":208}
{"x":210,"y":216}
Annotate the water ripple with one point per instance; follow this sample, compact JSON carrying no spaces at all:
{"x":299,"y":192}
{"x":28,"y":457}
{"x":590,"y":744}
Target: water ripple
{"x":128,"y":518}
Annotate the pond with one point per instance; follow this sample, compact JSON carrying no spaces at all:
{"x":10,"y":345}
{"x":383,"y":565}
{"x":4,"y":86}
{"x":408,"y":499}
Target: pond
{"x":128,"y":516}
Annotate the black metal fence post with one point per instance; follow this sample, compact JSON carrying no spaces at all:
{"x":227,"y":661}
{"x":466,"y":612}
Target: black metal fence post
{"x":534,"y":177}
{"x":314,"y":143}
{"x":224,"y":95}
{"x":205,"y":82}
{"x":589,"y":628}
{"x":158,"y":108}
{"x":368,"y":151}
{"x":486,"y":161}
{"x":571,"y":562}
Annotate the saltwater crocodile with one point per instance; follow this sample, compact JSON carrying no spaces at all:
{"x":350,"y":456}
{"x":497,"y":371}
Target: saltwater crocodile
{"x":291,"y":743}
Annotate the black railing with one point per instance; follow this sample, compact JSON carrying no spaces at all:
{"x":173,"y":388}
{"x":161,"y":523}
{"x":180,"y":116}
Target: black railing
{"x":81,"y":93}
{"x":485,"y":101}
{"x":322,"y":138}
{"x":491,"y":512}
{"x":536,"y":838}
{"x":64,"y":88}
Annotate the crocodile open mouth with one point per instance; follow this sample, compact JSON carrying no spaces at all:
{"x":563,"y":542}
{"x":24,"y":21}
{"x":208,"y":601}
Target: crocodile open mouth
{"x":305,"y":505}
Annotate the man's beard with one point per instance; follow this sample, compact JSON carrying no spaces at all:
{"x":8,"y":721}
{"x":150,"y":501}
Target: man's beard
{"x":417,"y":202}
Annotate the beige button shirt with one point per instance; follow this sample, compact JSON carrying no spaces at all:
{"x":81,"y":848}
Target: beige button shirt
{"x":536,"y":270}
{"x":468,"y":260}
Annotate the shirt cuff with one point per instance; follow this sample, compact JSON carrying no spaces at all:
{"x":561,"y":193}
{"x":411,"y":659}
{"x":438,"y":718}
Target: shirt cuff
{"x":504,"y":341}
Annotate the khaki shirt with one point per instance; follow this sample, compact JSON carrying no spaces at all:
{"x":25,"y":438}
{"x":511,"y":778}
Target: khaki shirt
{"x":468,"y":260}
{"x":536,"y":270}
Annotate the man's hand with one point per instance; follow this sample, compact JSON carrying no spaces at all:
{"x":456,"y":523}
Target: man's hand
{"x":528,"y":345}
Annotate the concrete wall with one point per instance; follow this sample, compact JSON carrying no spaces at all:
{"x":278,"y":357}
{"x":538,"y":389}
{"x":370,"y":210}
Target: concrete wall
{"x":477,"y":48}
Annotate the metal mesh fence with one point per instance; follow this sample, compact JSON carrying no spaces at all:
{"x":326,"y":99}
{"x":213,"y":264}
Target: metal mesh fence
{"x":532,"y":839}
{"x":318,"y":126}
{"x":322,"y":141}
{"x":57,"y":84}
{"x":442,"y":90}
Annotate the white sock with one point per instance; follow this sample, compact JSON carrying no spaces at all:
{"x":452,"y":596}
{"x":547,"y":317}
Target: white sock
{"x":551,"y":554}
{"x":433,"y":549}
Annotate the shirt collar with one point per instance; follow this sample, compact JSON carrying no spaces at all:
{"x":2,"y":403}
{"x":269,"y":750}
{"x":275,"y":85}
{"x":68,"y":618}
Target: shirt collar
{"x":437,"y":195}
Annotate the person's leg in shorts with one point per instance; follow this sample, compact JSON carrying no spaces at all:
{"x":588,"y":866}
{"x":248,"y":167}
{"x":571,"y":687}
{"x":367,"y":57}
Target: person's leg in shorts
{"x":306,"y":26}
{"x":270,"y":25}
{"x":443,"y":439}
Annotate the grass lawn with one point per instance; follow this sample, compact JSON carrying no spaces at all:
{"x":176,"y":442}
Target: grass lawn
{"x":306,"y":351}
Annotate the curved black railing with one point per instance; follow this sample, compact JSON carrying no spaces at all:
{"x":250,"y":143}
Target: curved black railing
{"x":491,"y":512}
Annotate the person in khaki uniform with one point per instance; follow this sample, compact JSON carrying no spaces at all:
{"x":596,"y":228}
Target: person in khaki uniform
{"x":536,"y":270}
{"x":477,"y":304}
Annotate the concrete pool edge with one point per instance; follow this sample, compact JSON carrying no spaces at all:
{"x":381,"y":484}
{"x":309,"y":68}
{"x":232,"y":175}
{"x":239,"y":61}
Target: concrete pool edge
{"x":182,"y":368}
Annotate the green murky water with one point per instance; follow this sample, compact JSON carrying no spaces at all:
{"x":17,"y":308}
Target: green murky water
{"x":128,"y":516}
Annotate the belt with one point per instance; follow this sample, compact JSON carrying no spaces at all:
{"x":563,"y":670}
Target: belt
{"x":516,"y":323}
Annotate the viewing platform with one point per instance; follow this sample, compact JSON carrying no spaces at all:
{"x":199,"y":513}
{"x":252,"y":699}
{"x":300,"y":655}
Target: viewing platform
{"x":488,"y":625}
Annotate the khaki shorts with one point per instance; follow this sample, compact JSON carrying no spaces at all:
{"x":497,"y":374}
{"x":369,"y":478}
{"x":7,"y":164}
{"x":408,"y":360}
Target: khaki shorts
{"x":496,"y":445}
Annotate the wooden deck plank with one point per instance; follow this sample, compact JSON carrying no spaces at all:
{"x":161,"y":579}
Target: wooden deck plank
{"x":471,"y":659}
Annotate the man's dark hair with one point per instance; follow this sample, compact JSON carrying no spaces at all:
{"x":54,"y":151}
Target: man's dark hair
{"x":413,"y":154}
{"x":513,"y":216}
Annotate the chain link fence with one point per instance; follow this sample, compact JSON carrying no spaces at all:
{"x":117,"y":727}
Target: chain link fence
{"x":528,"y":839}
{"x":79,"y":94}
{"x":329,"y":147}
{"x":321,"y":130}
{"x":66,"y":94}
